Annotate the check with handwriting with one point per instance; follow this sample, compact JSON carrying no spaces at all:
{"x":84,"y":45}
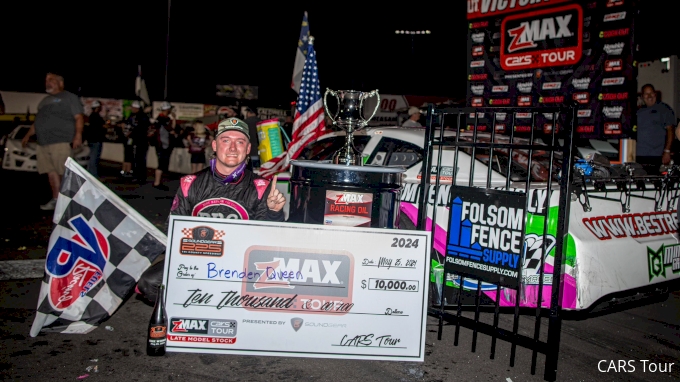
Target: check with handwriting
{"x":284,"y":289}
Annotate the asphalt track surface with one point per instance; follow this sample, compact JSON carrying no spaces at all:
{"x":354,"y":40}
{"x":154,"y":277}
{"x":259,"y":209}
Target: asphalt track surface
{"x":116,"y":350}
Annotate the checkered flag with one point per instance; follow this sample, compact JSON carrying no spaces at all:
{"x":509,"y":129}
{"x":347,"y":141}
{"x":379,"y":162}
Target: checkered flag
{"x":98,"y":249}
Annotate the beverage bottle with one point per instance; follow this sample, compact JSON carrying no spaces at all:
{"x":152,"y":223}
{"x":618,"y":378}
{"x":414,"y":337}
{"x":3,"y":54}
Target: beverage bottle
{"x":158,"y":326}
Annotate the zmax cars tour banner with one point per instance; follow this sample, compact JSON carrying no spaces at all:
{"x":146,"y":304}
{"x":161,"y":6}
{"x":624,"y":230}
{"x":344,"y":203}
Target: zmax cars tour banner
{"x":551,"y":53}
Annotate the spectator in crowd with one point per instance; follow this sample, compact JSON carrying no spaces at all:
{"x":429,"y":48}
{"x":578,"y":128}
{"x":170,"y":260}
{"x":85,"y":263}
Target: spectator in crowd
{"x":140,"y":123}
{"x":94,"y":135}
{"x":655,"y":130}
{"x":197,"y":142}
{"x":252,"y":120}
{"x":413,"y":118}
{"x":58,"y":128}
{"x":165,"y":134}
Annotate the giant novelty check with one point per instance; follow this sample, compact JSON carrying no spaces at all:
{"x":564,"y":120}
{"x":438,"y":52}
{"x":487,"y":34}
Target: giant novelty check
{"x":261,"y":288}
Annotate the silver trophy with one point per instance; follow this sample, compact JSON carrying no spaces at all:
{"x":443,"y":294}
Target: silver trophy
{"x":350,"y":117}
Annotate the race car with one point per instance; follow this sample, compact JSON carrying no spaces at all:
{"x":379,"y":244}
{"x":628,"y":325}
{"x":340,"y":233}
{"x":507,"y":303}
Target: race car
{"x":621,"y":240}
{"x":18,"y":158}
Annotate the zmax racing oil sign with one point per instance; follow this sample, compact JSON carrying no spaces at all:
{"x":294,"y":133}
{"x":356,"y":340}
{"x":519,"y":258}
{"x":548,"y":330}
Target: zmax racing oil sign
{"x":550,"y":37}
{"x":317,"y":282}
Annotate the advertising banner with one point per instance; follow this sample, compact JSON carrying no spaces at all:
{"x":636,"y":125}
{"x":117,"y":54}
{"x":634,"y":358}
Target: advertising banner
{"x":555,"y":53}
{"x":350,"y":209}
{"x":486,"y":235}
{"x":282,"y":289}
{"x":181,"y":111}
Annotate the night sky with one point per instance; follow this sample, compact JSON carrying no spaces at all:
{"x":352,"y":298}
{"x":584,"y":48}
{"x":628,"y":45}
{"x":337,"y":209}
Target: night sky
{"x":98,"y":45}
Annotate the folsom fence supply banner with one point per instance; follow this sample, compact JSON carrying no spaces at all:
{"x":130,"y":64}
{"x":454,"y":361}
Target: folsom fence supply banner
{"x":552,"y":53}
{"x":283,"y":289}
{"x":486,"y":235}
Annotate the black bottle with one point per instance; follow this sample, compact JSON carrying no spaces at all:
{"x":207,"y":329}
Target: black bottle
{"x":158,"y":326}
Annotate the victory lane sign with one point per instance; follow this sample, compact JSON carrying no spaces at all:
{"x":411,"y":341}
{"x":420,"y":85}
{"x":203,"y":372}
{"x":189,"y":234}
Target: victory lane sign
{"x":486,"y":235}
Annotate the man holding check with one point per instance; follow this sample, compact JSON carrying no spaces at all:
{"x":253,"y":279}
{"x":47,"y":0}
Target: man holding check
{"x":226,"y":189}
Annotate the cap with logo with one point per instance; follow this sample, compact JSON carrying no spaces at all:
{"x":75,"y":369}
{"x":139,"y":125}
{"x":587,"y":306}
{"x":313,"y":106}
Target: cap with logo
{"x":233,"y":124}
{"x":95,"y":104}
{"x":136,"y":105}
{"x":166,"y":105}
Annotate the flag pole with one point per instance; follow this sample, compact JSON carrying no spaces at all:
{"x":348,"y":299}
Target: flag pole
{"x":167,"y":55}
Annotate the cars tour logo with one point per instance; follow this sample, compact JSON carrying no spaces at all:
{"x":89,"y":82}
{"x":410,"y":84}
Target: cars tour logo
{"x":76,"y":264}
{"x":552,"y":37}
{"x":201,"y":241}
{"x":318,"y":282}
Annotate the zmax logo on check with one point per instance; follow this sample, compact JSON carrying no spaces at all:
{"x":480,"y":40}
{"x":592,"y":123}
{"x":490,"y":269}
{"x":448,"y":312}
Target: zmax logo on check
{"x":312,"y":278}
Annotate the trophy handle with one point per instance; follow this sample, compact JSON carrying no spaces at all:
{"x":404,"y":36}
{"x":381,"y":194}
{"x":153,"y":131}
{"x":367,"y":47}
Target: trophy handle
{"x":372,"y":93}
{"x":325,"y":105}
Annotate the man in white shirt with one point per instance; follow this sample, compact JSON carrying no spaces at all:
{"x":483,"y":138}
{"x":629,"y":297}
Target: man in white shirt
{"x":414,"y":117}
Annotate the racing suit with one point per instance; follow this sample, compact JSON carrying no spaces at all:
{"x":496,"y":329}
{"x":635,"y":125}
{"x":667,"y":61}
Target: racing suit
{"x":206,"y":194}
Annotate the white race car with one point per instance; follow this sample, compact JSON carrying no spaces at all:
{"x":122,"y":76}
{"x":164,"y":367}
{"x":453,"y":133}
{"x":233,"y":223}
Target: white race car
{"x":612,"y":248}
{"x":19,"y":158}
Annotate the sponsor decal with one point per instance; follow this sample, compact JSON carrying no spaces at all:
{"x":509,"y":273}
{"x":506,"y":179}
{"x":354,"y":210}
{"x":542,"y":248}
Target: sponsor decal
{"x":76,"y":264}
{"x":551,"y":85}
{"x":613,"y":81}
{"x":525,"y":87}
{"x":485,"y":8}
{"x":499,"y":101}
{"x":584,"y":113}
{"x":612,"y":111}
{"x":495,"y":48}
{"x":501,"y":116}
{"x":580,"y":83}
{"x":612,"y":96}
{"x":524,"y":100}
{"x":477,"y":77}
{"x":500,"y":128}
{"x":479,"y":24}
{"x":586,"y":22}
{"x":533,"y":257}
{"x":549,"y":115}
{"x":479,"y":115}
{"x":477,"y":89}
{"x":587,"y":129}
{"x":515,"y":76}
{"x":658,"y":261}
{"x":477,"y":101}
{"x":581,"y":97}
{"x":477,"y":50}
{"x":202,"y":241}
{"x":496,"y":35}
{"x":613,"y":49}
{"x":351,"y":209}
{"x":522,"y":115}
{"x":203,"y":326}
{"x":499,"y":89}
{"x":284,"y":278}
{"x":477,"y":37}
{"x":616,"y":16}
{"x":615,"y":33}
{"x":612,"y":128}
{"x":477,"y":64}
{"x":613,"y":65}
{"x":479,"y":127}
{"x":547,"y":128}
{"x":551,"y":99}
{"x":486,"y":234}
{"x":445,"y":174}
{"x":523,"y":129}
{"x":635,"y":225}
{"x":614,"y":3}
{"x":552,"y":37}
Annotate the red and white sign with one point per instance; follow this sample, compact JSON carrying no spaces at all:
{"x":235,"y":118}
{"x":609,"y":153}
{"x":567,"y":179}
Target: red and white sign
{"x":613,"y":65}
{"x":485,"y":8}
{"x":551,"y":37}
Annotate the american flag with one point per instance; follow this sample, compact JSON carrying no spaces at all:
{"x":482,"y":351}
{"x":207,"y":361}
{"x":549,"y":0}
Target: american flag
{"x":309,"y":121}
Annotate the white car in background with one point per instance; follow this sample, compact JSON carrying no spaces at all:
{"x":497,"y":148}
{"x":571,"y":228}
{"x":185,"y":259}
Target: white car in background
{"x":611,"y":252}
{"x":18,"y":158}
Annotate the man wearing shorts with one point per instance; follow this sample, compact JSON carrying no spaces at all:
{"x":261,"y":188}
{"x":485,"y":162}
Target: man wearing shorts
{"x":58,"y":128}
